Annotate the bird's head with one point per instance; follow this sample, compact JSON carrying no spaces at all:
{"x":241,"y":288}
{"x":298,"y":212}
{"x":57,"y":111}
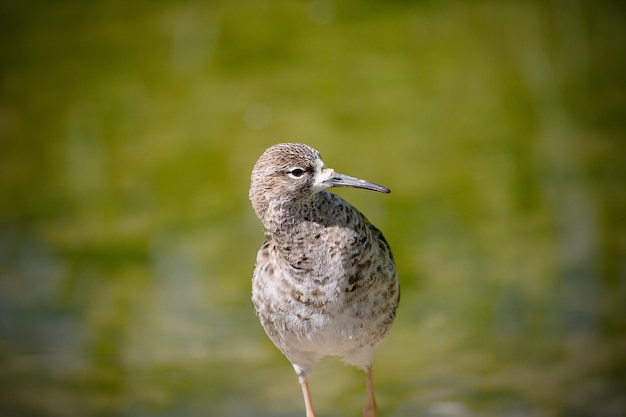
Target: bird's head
{"x":291,"y":173}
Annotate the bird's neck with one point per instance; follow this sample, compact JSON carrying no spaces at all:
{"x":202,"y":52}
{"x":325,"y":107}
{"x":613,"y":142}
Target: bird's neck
{"x":283,"y":216}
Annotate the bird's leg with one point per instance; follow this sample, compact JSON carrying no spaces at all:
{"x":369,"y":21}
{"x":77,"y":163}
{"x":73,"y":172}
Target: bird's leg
{"x":370,"y":409}
{"x":307,"y":396}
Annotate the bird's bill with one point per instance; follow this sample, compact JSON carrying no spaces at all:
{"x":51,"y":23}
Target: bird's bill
{"x":341,"y":180}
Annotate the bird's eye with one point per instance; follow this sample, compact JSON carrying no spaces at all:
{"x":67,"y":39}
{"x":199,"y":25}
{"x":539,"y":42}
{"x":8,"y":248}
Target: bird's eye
{"x":296,"y":173}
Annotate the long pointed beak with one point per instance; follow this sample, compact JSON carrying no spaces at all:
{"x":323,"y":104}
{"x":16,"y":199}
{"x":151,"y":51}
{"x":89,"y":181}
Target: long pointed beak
{"x":341,"y":180}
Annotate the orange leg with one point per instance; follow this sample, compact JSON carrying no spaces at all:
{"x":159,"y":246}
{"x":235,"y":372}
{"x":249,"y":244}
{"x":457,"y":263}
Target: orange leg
{"x":370,"y":409}
{"x":307,"y":397}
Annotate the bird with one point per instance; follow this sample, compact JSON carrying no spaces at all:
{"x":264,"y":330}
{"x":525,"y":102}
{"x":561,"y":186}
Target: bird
{"x":324,"y":282}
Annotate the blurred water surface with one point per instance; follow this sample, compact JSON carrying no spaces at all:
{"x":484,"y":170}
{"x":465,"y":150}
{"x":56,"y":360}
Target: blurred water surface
{"x":127,"y":135}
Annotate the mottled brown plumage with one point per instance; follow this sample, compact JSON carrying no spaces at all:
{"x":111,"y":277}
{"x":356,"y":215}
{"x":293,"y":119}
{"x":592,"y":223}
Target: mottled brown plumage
{"x":324,"y":283}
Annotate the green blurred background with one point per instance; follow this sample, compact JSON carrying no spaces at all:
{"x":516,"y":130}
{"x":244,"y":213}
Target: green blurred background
{"x":128,"y":131}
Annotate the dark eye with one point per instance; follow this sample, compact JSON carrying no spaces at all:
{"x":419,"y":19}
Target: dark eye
{"x":296,"y":173}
